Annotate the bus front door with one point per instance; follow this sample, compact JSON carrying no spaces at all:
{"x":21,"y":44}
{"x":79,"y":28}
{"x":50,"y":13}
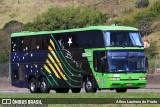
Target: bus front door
{"x":99,"y":63}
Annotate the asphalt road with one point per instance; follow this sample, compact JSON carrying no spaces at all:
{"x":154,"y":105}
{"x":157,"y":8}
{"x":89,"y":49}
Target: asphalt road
{"x":83,"y":91}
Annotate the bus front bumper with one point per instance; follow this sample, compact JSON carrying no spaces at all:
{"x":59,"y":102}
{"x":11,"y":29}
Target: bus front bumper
{"x":127,"y":84}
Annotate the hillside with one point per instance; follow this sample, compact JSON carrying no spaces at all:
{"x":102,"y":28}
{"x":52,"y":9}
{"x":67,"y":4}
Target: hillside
{"x":25,"y":10}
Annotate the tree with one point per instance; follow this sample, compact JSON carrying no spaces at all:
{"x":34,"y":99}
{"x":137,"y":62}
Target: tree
{"x":145,"y":27}
{"x":66,"y":18}
{"x":10,"y":27}
{"x":4,"y":46}
{"x":13,"y":26}
{"x":155,"y":7}
{"x":152,"y":50}
{"x":142,"y":3}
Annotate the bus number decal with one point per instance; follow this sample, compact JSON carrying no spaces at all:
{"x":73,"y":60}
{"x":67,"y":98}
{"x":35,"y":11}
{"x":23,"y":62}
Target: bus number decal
{"x":86,"y":54}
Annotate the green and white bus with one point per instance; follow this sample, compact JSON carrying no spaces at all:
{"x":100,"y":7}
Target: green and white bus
{"x":101,"y":57}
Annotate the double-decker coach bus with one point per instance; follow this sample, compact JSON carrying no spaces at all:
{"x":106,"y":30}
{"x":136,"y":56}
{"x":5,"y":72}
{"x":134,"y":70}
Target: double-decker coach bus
{"x":101,"y":57}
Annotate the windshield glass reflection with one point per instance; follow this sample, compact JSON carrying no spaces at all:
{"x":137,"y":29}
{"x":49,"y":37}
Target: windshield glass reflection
{"x":126,"y":61}
{"x":123,"y":38}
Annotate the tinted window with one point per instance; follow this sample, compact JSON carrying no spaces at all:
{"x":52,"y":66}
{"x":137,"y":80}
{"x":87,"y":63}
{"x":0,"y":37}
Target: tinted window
{"x":90,"y":39}
{"x":100,"y":64}
{"x":30,"y":43}
{"x":123,"y":38}
{"x":14,"y":45}
{"x":85,"y":39}
{"x":45,"y":41}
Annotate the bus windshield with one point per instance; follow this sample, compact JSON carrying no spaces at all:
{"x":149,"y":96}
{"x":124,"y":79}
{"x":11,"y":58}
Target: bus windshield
{"x":126,"y":62}
{"x":123,"y":38}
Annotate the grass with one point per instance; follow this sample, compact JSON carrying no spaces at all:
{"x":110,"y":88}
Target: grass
{"x":86,"y":95}
{"x":90,"y":95}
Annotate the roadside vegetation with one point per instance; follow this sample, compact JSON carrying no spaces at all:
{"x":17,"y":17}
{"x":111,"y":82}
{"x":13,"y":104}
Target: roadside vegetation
{"x":86,"y":95}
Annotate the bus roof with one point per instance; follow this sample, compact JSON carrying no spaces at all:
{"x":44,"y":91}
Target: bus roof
{"x":27,"y":33}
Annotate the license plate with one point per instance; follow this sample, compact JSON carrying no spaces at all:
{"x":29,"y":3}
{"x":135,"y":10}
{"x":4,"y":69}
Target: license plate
{"x":128,"y":84}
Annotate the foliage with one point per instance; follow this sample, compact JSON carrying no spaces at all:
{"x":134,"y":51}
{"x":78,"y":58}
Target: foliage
{"x":144,"y":15}
{"x":128,"y":21}
{"x":4,"y":46}
{"x":115,"y":21}
{"x":140,"y":18}
{"x":152,"y":50}
{"x":10,"y":27}
{"x":151,"y":65}
{"x":1,"y":1}
{"x":145,"y":27}
{"x":155,"y":7}
{"x":142,"y":3}
{"x":128,"y":10}
{"x":66,"y":18}
{"x":13,"y":26}
{"x":151,"y":54}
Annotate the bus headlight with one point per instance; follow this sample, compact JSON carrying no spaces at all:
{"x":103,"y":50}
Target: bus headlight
{"x":142,"y":78}
{"x":115,"y":79}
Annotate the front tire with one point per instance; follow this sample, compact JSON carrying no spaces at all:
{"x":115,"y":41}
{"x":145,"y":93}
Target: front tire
{"x":121,"y":90}
{"x":44,"y":86}
{"x":33,"y":85}
{"x":89,"y":86}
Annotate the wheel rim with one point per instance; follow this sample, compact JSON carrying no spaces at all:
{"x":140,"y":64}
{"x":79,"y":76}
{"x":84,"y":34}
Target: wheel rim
{"x":43,"y":86}
{"x":33,"y":86}
{"x":88,"y":85}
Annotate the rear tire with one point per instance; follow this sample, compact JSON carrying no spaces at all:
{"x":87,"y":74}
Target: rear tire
{"x":44,"y":86}
{"x":33,"y":85}
{"x":89,"y":86}
{"x":121,"y":90}
{"x":75,"y":90}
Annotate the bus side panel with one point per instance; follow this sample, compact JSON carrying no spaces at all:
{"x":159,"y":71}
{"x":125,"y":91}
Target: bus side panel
{"x":17,"y":76}
{"x":73,"y":45}
{"x":81,"y":65}
{"x":48,"y":66}
{"x":17,"y":70}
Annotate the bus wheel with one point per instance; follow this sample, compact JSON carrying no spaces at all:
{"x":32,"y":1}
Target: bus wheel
{"x":75,"y":90}
{"x":33,"y":86}
{"x":44,"y":86}
{"x":121,"y":90}
{"x":62,"y":90}
{"x":89,"y":86}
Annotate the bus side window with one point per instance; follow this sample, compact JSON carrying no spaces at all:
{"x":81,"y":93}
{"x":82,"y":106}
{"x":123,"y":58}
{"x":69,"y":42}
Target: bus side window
{"x":26,"y":44}
{"x":36,"y":43}
{"x":31,"y":43}
{"x":38,"y":40}
{"x":45,"y":42}
{"x":90,"y":39}
{"x":14,"y":44}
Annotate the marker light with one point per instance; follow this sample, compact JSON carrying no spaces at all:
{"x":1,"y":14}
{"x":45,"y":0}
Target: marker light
{"x":115,"y":79}
{"x":142,"y":78}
